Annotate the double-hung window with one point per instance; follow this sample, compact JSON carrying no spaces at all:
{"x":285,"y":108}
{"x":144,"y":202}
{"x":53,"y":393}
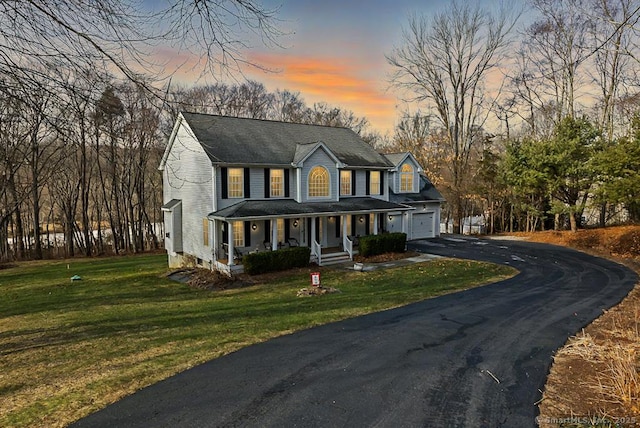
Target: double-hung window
{"x":374,"y":183}
{"x":277,"y":183}
{"x":345,"y":183}
{"x":406,"y":178}
{"x":236,"y":182}
{"x":238,"y":234}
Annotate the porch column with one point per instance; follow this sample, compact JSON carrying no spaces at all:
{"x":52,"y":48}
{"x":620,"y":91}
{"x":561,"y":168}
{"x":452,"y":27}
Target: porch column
{"x":375,"y":223}
{"x":404,"y":222}
{"x":313,"y":231}
{"x":215,"y":246}
{"x":274,"y":234}
{"x":345,"y":232}
{"x":324,"y":229}
{"x":230,"y":261}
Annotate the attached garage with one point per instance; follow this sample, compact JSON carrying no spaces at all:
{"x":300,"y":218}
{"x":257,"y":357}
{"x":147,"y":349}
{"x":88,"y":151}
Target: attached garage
{"x":422,"y":225}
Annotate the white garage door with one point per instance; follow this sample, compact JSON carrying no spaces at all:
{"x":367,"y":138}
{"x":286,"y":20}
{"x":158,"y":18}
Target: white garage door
{"x":422,"y":226}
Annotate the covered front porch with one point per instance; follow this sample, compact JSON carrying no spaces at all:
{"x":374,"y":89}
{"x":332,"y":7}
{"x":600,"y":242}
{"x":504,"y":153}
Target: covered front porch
{"x":330,"y":229}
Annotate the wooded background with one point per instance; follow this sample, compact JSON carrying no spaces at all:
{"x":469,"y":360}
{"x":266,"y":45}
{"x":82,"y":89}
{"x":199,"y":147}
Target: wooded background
{"x":526,"y":120}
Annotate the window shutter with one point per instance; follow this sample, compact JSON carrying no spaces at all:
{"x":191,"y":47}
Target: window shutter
{"x":247,"y":233}
{"x":337,"y":226}
{"x":247,"y":183}
{"x":267,"y":183}
{"x":225,"y":182}
{"x":354,"y":219}
{"x":267,"y":231}
{"x":368,"y":183}
{"x":382,"y":182}
{"x":225,"y":232}
{"x":286,"y":183}
{"x":353,"y":183}
{"x":287,"y":232}
{"x":366,"y":225}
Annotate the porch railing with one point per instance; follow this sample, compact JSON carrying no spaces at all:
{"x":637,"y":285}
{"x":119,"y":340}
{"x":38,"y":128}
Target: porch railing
{"x":347,"y":244}
{"x":316,"y":249}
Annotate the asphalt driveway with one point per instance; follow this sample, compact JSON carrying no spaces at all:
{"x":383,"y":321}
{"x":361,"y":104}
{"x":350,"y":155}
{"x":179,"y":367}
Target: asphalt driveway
{"x":478,"y":358}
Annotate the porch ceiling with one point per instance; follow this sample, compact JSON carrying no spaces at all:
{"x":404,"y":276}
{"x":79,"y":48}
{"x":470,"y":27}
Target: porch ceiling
{"x":266,"y":209}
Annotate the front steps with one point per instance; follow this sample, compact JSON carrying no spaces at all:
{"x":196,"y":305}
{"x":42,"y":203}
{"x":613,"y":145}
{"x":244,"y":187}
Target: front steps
{"x":334,"y":258}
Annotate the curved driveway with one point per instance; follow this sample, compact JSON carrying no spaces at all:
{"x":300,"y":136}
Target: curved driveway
{"x":477,"y":358}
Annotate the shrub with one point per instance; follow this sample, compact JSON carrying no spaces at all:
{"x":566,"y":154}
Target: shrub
{"x":272,"y":261}
{"x":372,"y":245}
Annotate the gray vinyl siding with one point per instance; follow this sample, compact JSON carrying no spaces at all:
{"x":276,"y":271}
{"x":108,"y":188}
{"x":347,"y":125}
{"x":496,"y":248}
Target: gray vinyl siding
{"x":187,"y":176}
{"x":361,"y":184}
{"x":320,"y":158}
{"x":256,"y":183}
{"x":361,"y":177}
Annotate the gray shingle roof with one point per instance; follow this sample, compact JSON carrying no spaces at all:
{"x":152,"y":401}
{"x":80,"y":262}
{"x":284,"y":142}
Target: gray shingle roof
{"x":395,"y":158}
{"x":233,"y":140}
{"x":290,"y":208}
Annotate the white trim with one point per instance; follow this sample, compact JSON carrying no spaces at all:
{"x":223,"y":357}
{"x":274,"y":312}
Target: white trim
{"x":319,"y":198}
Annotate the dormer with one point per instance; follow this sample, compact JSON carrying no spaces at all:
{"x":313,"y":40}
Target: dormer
{"x":317,"y":169}
{"x":405,"y":175}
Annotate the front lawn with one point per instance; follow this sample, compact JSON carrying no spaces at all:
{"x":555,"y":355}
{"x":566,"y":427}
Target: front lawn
{"x":71,"y":347}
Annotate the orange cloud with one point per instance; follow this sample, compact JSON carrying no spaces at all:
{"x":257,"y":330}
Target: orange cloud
{"x":333,"y":80}
{"x":345,"y":83}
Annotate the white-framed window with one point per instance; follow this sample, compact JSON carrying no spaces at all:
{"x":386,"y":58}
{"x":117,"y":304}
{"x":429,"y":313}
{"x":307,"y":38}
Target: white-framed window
{"x":238,"y":234}
{"x":277,"y":183}
{"x":280,"y":223}
{"x":345,"y":183}
{"x":205,"y":232}
{"x":236,"y":182}
{"x":374,"y":183}
{"x":318,"y":182}
{"x":406,"y":178}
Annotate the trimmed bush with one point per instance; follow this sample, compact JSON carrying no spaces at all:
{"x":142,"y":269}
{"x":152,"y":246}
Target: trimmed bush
{"x":272,"y":261}
{"x":372,"y":245}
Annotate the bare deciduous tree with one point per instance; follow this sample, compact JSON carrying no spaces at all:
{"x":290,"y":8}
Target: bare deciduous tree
{"x":445,"y":62}
{"x":121,"y":36}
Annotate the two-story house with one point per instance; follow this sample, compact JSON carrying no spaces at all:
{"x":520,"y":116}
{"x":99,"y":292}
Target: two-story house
{"x":235,"y":185}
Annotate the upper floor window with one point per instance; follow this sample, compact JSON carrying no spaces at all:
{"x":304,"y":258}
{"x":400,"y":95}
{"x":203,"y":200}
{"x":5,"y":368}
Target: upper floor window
{"x":374,"y":183}
{"x":345,"y":182}
{"x":318,"y":182}
{"x":277,"y":182}
{"x":236,"y":182}
{"x":406,"y":178}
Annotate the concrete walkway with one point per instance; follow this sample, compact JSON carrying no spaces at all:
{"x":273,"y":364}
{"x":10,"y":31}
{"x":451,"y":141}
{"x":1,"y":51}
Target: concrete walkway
{"x":367,"y":267}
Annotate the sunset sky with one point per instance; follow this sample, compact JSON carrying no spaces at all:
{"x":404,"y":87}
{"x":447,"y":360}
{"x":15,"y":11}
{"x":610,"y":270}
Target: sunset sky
{"x":335,"y":52}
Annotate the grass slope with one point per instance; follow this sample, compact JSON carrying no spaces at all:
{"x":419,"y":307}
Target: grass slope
{"x":70,"y":348}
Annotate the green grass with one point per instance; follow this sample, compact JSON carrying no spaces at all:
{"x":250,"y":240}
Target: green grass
{"x":69,"y":348}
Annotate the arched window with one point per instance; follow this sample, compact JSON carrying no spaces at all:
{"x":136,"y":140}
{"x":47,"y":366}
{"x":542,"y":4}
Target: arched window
{"x":318,"y":182}
{"x":406,"y":178}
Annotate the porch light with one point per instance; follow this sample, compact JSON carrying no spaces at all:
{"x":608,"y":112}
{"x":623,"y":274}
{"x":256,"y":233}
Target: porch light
{"x":295,"y":223}
{"x":390,"y":217}
{"x":361,"y":219}
{"x":254,"y":226}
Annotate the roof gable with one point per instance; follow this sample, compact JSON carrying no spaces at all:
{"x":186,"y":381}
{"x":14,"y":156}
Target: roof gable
{"x":231,"y":140}
{"x":304,"y":151}
{"x":397,"y":159}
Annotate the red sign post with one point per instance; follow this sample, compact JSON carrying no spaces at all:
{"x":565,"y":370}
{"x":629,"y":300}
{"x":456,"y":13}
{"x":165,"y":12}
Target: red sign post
{"x":315,"y":279}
